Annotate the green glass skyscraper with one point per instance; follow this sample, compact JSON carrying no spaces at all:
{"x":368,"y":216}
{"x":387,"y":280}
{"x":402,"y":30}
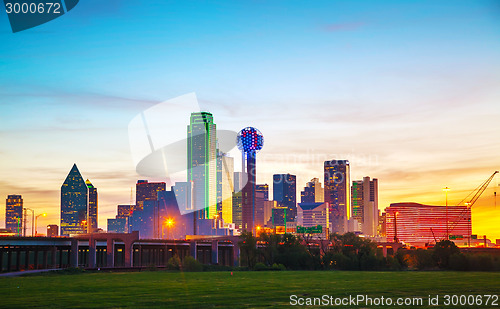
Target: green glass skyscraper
{"x":202,"y":163}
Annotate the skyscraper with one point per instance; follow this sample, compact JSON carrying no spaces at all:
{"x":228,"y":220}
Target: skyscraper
{"x":264,"y":188}
{"x":313,"y":192}
{"x":338,"y":193}
{"x":237,"y":197}
{"x":92,"y":219}
{"x":364,"y":197}
{"x":147,"y":191}
{"x":261,"y":196}
{"x":74,"y":203}
{"x":225,"y":186}
{"x":285,"y":193}
{"x":14,"y":213}
{"x":202,"y":163}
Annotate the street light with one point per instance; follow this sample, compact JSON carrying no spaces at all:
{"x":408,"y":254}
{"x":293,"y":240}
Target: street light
{"x":446,"y":194}
{"x":36,"y":223}
{"x":469,"y":223}
{"x":169,"y":223}
{"x":396,"y":227}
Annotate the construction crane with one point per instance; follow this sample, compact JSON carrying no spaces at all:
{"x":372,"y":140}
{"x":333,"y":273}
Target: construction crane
{"x":475,"y":196}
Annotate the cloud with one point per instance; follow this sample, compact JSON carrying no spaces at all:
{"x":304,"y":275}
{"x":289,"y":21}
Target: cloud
{"x":343,"y":26}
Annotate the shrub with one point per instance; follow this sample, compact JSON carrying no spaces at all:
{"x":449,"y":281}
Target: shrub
{"x":480,"y":262}
{"x":278,"y":267}
{"x":458,"y":261}
{"x":260,"y":267}
{"x":191,"y":264}
{"x":174,"y":263}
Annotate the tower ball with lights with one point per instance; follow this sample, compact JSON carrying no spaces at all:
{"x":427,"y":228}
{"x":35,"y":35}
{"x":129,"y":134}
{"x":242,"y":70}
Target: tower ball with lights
{"x":249,"y":141}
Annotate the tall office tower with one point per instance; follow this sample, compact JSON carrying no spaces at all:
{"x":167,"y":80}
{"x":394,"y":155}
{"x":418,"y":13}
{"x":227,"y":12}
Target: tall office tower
{"x":14,"y":213}
{"x":250,"y":141}
{"x":184,"y":197}
{"x":202,"y":163}
{"x":92,"y":220}
{"x":313,"y":192}
{"x":225,"y":184}
{"x":74,"y":203}
{"x":364,"y":201}
{"x":237,"y":208}
{"x":338,"y":194}
{"x":239,"y":181}
{"x":285,"y":193}
{"x":147,"y":191}
{"x":261,"y":196}
{"x":264,"y":188}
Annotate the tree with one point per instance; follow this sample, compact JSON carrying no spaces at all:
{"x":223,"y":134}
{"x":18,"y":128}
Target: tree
{"x":442,"y":252}
{"x":270,"y":247}
{"x":248,"y":247}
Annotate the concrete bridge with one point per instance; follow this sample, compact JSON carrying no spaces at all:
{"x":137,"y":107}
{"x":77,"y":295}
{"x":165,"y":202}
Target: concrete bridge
{"x":112,"y":250}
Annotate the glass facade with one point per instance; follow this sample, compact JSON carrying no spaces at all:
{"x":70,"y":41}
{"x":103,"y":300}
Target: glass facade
{"x":92,"y":206}
{"x":14,"y":214}
{"x":202,"y":163}
{"x":338,"y":193}
{"x":285,"y":193}
{"x":419,"y":224}
{"x":74,"y":203}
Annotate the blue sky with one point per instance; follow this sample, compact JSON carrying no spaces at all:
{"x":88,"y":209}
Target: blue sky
{"x":406,"y":90}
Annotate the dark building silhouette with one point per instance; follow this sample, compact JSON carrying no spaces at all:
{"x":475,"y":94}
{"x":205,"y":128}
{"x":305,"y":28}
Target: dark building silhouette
{"x":171,"y":223}
{"x":285,"y":193}
{"x":338,"y":193}
{"x":14,"y":213}
{"x":74,"y":203}
{"x":92,"y":218}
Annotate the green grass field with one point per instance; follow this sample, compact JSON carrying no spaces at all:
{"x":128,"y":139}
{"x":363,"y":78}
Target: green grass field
{"x":243,"y":289}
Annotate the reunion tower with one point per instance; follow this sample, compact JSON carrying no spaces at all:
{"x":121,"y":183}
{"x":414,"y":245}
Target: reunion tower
{"x":249,"y":141}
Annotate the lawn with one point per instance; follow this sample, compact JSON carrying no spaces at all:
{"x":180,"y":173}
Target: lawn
{"x":243,"y":289}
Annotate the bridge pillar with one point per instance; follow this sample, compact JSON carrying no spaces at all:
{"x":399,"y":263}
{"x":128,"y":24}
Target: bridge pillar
{"x":9,"y":259}
{"x":215,"y":252}
{"x":129,"y":246}
{"x":193,"y":249}
{"x":44,"y":259}
{"x":53,"y":257}
{"x":110,"y":253}
{"x":92,"y":252}
{"x":74,"y":253}
{"x":236,"y":253}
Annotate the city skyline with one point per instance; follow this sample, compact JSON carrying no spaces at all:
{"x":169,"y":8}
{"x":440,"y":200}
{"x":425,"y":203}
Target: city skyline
{"x":408,"y":96}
